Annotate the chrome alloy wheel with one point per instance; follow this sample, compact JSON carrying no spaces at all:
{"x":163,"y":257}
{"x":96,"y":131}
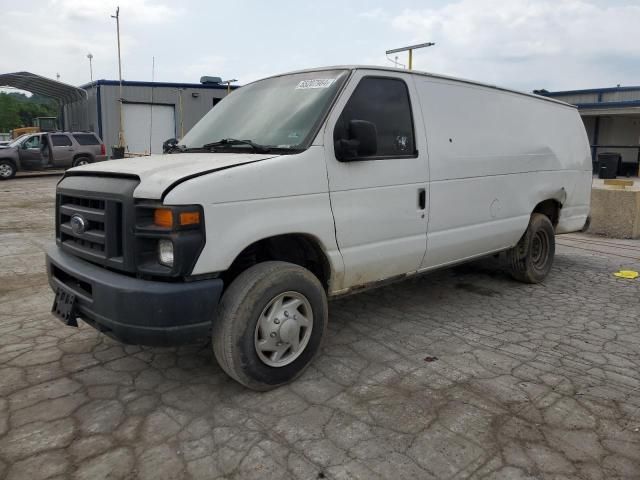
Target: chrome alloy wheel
{"x":5,"y":170}
{"x":283,"y":329}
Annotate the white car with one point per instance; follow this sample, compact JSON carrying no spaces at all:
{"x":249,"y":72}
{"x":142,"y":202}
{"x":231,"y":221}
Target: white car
{"x":308,"y":185}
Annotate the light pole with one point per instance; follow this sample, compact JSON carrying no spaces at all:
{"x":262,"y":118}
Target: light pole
{"x":90,"y":57}
{"x":228,"y":82}
{"x":410,"y":49}
{"x":120,"y":132}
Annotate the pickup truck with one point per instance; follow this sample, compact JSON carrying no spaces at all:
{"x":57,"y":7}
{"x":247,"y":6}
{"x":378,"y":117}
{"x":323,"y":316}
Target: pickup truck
{"x":305,"y":186}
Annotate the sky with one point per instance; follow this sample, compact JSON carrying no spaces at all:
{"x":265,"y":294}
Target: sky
{"x":522,"y":44}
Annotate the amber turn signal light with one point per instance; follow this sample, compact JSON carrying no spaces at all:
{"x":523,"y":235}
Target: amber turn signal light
{"x":163,"y":217}
{"x":189,"y":218}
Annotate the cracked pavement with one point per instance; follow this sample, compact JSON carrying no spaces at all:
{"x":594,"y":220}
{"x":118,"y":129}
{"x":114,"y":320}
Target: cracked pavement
{"x":461,"y":373}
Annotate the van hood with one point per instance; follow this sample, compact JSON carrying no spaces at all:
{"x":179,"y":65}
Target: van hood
{"x":158,"y":173}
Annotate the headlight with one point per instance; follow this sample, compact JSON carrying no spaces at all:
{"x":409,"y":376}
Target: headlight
{"x":169,"y":238}
{"x":165,"y":252}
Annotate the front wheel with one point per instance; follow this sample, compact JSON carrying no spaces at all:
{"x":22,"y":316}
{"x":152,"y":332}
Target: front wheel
{"x":7,"y":170}
{"x":531,"y":259}
{"x":270,"y":324}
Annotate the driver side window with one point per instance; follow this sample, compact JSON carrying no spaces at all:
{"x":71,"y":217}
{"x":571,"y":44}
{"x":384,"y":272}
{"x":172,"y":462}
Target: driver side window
{"x":383,"y":102}
{"x":33,"y":142}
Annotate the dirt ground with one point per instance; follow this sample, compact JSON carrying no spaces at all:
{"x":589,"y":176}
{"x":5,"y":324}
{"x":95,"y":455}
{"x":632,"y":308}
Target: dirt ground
{"x":462,"y":373}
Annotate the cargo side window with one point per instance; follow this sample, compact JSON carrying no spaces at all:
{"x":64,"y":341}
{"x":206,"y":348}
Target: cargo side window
{"x":60,"y":141}
{"x":383,"y":102}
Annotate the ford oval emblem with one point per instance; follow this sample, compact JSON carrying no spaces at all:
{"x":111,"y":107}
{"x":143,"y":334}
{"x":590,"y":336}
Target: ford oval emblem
{"x":78,"y":224}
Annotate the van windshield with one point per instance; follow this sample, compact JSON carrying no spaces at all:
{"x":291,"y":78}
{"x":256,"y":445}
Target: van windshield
{"x":279,"y":112}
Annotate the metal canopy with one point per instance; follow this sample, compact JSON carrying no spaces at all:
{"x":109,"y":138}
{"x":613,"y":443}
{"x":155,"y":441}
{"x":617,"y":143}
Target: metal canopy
{"x":43,"y":86}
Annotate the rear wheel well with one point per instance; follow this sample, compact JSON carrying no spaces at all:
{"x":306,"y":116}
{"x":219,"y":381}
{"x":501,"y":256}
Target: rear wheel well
{"x":299,"y":249}
{"x":551,"y":209}
{"x":82,"y":155}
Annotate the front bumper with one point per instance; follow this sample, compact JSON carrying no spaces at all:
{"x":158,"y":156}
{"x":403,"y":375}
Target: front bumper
{"x":135,"y":311}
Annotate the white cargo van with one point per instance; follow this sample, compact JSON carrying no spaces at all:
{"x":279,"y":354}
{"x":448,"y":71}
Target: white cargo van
{"x":308,"y":185}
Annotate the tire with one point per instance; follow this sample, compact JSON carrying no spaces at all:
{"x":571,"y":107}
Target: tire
{"x":531,"y":259}
{"x":78,"y":162}
{"x":239,"y":343}
{"x":7,"y":170}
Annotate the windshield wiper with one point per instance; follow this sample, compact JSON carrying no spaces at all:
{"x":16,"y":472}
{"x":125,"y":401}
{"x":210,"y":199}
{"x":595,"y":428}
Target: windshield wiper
{"x":227,"y":142}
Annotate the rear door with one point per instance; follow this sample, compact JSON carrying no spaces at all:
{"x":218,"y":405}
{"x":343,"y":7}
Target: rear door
{"x":62,"y":148}
{"x":379,"y":202}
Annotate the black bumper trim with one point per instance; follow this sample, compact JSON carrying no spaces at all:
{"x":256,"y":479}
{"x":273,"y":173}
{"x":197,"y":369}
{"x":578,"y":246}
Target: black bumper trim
{"x":135,"y":311}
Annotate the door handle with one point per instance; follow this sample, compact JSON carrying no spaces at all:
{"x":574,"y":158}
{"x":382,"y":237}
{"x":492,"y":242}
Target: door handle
{"x":422,"y":199}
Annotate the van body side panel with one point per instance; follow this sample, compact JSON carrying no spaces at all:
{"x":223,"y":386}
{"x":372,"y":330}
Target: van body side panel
{"x":494,"y":155}
{"x":247,"y":203}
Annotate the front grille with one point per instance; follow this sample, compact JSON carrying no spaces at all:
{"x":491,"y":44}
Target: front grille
{"x":105,"y":208}
{"x":102,"y":236}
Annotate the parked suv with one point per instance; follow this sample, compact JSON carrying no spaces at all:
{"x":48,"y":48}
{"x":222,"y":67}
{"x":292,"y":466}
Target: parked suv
{"x":38,"y":151}
{"x":310,"y":185}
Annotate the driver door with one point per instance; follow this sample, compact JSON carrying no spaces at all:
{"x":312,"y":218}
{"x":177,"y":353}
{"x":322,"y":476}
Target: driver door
{"x":379,"y":200}
{"x":30,"y":153}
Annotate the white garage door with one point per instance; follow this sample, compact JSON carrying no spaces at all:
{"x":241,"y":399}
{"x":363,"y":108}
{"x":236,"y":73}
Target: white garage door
{"x":144,"y":133}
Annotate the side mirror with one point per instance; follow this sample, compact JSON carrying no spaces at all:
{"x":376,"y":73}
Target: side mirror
{"x":24,"y":145}
{"x":362,"y":141}
{"x":169,"y":145}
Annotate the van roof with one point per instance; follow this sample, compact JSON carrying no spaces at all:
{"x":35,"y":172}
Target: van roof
{"x":427,"y":74}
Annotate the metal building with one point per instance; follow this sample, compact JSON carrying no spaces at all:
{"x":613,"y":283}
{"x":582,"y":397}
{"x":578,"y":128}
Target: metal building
{"x":152,"y":112}
{"x":612,"y":119}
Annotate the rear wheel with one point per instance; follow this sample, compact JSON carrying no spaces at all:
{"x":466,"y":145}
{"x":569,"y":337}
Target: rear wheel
{"x":7,"y":170}
{"x":78,"y":162}
{"x":531,"y":259}
{"x":270,"y":324}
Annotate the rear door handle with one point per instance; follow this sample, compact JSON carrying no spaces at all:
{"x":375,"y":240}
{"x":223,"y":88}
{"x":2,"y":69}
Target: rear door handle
{"x":422,"y":199}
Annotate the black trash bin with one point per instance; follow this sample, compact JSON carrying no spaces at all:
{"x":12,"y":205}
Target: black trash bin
{"x":117,"y":152}
{"x":608,"y":163}
{"x":629,"y":169}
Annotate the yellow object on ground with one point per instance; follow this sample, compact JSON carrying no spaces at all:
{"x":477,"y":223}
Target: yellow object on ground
{"x":619,"y":182}
{"x":627,"y":274}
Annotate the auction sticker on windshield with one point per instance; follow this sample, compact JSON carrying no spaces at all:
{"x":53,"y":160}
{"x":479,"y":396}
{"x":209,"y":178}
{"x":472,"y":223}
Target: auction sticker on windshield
{"x":316,"y":83}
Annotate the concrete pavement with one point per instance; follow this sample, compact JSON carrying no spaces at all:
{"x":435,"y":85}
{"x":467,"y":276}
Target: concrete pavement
{"x":462,"y":373}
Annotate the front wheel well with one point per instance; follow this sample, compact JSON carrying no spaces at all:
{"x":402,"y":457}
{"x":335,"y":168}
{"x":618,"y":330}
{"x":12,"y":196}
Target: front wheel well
{"x":551,"y":209}
{"x":300,"y":249}
{"x":10,"y":160}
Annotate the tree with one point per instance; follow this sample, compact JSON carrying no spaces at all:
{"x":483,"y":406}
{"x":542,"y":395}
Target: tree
{"x":19,"y":110}
{"x":9,"y":117}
